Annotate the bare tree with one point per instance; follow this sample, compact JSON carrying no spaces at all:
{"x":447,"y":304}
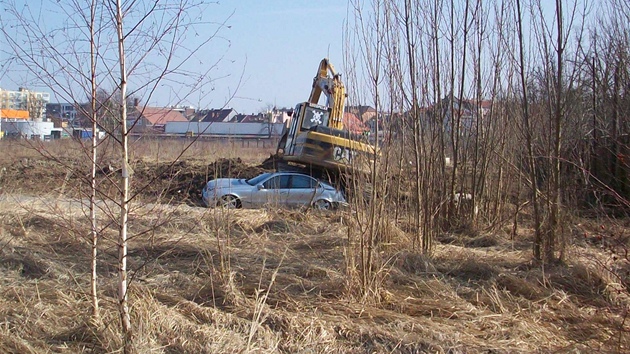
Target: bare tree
{"x":528,"y":131}
{"x":38,"y":60}
{"x":78,"y":60}
{"x":124,"y":180}
{"x":94,"y":164}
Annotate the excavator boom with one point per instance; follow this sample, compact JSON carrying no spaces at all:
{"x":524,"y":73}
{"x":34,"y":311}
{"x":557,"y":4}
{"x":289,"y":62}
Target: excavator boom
{"x":333,"y":88}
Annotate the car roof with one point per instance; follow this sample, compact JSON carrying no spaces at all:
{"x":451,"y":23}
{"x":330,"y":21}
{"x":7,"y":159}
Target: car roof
{"x":292,"y":173}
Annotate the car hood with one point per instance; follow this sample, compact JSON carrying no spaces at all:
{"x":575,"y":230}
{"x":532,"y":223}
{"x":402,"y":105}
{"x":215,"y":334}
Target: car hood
{"x":225,"y":183}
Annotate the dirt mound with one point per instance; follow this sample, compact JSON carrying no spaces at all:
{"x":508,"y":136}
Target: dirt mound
{"x":35,"y":174}
{"x":165,"y":182}
{"x":271,"y":163}
{"x":182,"y":181}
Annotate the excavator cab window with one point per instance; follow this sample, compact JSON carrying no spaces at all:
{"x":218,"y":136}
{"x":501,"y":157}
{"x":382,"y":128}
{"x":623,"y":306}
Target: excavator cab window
{"x":314,"y":116}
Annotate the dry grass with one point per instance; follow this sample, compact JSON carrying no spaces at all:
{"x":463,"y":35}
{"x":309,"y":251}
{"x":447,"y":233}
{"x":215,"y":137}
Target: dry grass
{"x":267,"y":281}
{"x":284,"y":290}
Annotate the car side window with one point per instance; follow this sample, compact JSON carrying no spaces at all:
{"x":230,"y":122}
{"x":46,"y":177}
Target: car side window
{"x":302,"y":182}
{"x":277,"y":182}
{"x":284,"y":182}
{"x":272,"y":183}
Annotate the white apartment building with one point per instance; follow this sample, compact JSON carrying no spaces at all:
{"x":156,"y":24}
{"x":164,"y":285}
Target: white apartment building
{"x":24,"y":99}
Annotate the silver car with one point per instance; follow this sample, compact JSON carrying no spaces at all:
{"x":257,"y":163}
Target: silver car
{"x":280,"y":188}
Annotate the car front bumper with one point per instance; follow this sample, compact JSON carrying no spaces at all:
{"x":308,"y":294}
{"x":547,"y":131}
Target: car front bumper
{"x":209,"y":197}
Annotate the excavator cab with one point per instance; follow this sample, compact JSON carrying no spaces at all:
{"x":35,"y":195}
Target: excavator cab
{"x":310,"y":141}
{"x":306,"y":117}
{"x":315,"y":138}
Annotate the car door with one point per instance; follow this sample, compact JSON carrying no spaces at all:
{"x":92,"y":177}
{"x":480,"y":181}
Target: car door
{"x":303,"y":189}
{"x":273,"y":191}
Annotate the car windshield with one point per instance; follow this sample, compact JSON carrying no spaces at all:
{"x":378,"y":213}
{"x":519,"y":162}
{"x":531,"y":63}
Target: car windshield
{"x":254,"y":181}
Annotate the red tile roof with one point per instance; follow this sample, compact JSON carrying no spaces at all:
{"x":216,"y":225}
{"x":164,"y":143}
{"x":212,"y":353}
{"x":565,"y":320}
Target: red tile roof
{"x":160,"y":116}
{"x":353,"y":124}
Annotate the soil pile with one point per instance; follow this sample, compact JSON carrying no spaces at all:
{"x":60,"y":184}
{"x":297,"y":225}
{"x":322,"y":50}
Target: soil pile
{"x":169,"y":181}
{"x":182,"y":181}
{"x":38,"y":175}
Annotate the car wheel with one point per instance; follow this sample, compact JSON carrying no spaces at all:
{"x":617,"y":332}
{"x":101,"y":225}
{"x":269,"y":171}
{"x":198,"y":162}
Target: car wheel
{"x":230,"y":202}
{"x":322,"y":204}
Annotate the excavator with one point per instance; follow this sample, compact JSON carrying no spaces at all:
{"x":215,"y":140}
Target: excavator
{"x":315,"y":138}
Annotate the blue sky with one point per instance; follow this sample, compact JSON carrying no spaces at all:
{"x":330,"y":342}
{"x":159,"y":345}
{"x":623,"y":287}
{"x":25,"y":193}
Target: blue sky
{"x":278,"y":45}
{"x":269,"y":51}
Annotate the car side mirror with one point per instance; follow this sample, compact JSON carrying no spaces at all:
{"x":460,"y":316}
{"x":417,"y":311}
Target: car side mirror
{"x":260,"y":187}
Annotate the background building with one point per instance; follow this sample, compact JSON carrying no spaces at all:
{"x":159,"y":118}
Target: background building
{"x":24,"y":99}
{"x":27,"y":129}
{"x":66,"y":111}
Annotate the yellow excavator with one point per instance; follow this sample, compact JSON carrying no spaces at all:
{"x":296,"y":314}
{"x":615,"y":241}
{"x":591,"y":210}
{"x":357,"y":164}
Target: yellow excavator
{"x":315,"y":137}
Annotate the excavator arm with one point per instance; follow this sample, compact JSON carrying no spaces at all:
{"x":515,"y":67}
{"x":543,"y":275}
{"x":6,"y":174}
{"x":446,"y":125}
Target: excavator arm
{"x":334,"y":90}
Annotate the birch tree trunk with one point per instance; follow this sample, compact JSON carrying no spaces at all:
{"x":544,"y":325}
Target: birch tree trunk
{"x":93,"y":220}
{"x":124,"y":186}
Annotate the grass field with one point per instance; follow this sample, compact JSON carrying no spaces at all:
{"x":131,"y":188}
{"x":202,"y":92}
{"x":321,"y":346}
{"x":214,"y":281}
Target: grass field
{"x":266,"y":281}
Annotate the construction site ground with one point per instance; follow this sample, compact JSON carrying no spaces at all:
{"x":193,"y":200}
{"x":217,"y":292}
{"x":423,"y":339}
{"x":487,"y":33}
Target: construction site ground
{"x":274,"y":280}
